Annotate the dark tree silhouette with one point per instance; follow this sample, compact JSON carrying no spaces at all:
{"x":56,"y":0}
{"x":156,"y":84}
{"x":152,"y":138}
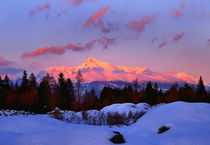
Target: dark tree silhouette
{"x":91,"y":100}
{"x":63,"y":92}
{"x":150,"y":97}
{"x":78,"y":88}
{"x":201,"y":91}
{"x":44,"y":95}
{"x":71,"y":93}
{"x":172,"y":94}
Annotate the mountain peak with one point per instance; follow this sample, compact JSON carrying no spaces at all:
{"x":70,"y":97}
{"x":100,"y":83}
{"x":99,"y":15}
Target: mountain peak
{"x":95,"y":63}
{"x":92,"y":60}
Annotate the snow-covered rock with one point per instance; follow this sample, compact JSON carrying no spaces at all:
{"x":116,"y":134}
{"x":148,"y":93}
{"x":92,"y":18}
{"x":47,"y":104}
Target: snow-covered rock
{"x":126,"y":108}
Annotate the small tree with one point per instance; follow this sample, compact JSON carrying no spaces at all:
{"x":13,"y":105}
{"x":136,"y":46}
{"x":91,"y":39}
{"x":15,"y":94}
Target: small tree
{"x":62,"y":98}
{"x":151,"y":99}
{"x":201,"y":91}
{"x":44,"y":95}
{"x":71,"y":93}
{"x":79,"y":88}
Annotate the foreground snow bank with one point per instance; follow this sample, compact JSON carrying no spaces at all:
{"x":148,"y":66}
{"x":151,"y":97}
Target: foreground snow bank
{"x":189,"y":122}
{"x":42,"y":130}
{"x":189,"y":125}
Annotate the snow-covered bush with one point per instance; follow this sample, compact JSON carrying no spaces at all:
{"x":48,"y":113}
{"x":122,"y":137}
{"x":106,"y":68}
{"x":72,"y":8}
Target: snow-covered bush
{"x":14,"y":112}
{"x":115,"y":114}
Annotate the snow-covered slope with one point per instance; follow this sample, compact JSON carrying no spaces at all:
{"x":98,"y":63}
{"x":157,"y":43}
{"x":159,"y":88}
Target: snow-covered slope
{"x":189,"y":122}
{"x":41,"y":130}
{"x":96,"y":70}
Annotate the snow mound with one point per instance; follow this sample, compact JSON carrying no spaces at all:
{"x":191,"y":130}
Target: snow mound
{"x":189,"y":122}
{"x":126,"y":108}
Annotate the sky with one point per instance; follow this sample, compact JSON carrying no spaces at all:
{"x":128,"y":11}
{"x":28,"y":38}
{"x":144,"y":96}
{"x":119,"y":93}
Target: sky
{"x":162,"y":35}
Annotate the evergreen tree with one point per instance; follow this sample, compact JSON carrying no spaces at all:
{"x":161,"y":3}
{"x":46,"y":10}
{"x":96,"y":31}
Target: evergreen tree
{"x":32,"y":95}
{"x":24,"y":98}
{"x":187,"y":93}
{"x":135,"y":84}
{"x":172,"y":95}
{"x":25,"y":83}
{"x":5,"y":91}
{"x":32,"y":81}
{"x":106,"y":97}
{"x":91,"y":100}
{"x":44,"y":94}
{"x":150,"y":97}
{"x":201,"y":91}
{"x":71,"y":93}
{"x":63,"y":92}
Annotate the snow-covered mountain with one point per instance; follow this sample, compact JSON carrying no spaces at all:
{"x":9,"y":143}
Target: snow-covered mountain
{"x":96,"y":70}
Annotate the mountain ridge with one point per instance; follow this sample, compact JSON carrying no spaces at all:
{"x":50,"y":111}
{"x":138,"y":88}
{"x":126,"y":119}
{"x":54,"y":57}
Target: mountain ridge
{"x":95,"y":70}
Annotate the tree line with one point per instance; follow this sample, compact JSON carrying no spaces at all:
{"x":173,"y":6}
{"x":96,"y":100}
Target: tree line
{"x":152,"y":95}
{"x":46,"y":95}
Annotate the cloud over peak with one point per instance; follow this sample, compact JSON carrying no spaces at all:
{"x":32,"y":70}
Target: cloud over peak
{"x":104,"y":42}
{"x":177,"y":37}
{"x":140,"y":25}
{"x":180,"y":11}
{"x":39,"y":8}
{"x":162,"y":44}
{"x":76,"y":2}
{"x":96,"y":16}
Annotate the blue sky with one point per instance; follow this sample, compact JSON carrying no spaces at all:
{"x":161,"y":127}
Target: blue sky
{"x":61,"y":22}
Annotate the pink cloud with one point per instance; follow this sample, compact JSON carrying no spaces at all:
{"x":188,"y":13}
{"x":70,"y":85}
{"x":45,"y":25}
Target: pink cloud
{"x":96,"y":16}
{"x":179,"y":12}
{"x":164,"y":43}
{"x":204,"y":15}
{"x":177,"y":37}
{"x":45,"y":50}
{"x":39,"y":8}
{"x":208,"y":41}
{"x":4,"y":62}
{"x":108,"y":28}
{"x":105,"y":42}
{"x":100,"y":24}
{"x":139,"y":26}
{"x":182,"y":5}
{"x":76,"y":2}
